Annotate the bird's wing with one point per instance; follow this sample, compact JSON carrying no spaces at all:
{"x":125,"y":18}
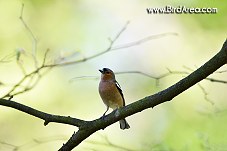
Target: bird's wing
{"x":120,"y":91}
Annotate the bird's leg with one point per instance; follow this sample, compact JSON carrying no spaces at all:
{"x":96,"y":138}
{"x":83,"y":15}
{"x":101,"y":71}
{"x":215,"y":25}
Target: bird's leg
{"x":116,"y":112}
{"x":105,"y":112}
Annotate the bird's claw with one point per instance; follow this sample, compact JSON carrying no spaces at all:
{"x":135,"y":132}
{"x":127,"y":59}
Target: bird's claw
{"x":102,"y":117}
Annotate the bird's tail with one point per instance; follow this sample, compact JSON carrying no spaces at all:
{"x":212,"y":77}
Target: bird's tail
{"x":124,"y":124}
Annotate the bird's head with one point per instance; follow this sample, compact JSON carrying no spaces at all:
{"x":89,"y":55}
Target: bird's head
{"x":107,"y":74}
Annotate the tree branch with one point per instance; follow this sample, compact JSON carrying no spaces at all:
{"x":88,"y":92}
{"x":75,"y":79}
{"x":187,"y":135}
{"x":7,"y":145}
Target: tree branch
{"x":42,"y":115}
{"x":168,"y":94}
{"x":110,"y":144}
{"x":216,"y":80}
{"x":32,"y":143}
{"x":34,"y":40}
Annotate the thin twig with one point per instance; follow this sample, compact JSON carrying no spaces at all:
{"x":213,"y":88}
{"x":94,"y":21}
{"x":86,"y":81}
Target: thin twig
{"x":205,"y":94}
{"x":8,"y":144}
{"x":95,"y":55}
{"x":84,"y":77}
{"x":143,"y":40}
{"x":21,"y":67}
{"x":45,"y":57}
{"x":108,"y":143}
{"x":7,"y":58}
{"x":223,"y":71}
{"x":34,"y":40}
{"x":216,"y":80}
{"x":109,"y":49}
{"x":136,"y":72}
{"x":29,"y":77}
{"x":33,"y":143}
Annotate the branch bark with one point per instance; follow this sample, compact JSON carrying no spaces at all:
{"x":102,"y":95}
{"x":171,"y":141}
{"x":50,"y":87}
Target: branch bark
{"x":87,"y":128}
{"x":42,"y":115}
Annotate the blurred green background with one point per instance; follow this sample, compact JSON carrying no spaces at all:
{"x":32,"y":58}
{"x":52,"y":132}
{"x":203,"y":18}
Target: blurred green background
{"x":188,"y":123}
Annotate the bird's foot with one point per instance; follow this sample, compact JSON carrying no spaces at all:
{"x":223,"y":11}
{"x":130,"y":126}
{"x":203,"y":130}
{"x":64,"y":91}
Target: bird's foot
{"x":102,"y":117}
{"x":116,"y":112}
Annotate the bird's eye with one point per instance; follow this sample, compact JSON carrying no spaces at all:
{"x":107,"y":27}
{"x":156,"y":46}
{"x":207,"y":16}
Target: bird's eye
{"x":107,"y":72}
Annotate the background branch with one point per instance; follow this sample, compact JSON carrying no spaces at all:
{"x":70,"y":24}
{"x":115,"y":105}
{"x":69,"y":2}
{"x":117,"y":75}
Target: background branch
{"x":34,"y":40}
{"x":37,"y":72}
{"x":42,"y":115}
{"x":30,"y":80}
{"x":32,"y":143}
{"x":108,"y":143}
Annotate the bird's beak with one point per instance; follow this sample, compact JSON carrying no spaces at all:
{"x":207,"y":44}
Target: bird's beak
{"x":101,"y":71}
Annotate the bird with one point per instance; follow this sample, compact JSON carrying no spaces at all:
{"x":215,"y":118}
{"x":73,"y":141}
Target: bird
{"x":111,"y":94}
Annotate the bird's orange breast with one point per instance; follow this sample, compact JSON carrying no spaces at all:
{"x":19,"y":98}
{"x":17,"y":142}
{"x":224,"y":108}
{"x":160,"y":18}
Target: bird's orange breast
{"x":110,"y":94}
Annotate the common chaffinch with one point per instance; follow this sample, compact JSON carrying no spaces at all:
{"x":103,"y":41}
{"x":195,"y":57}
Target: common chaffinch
{"x":111,"y":93}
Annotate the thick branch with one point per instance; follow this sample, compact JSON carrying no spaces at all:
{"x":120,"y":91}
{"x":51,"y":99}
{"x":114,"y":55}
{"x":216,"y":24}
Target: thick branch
{"x":42,"y":115}
{"x":168,"y":94}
